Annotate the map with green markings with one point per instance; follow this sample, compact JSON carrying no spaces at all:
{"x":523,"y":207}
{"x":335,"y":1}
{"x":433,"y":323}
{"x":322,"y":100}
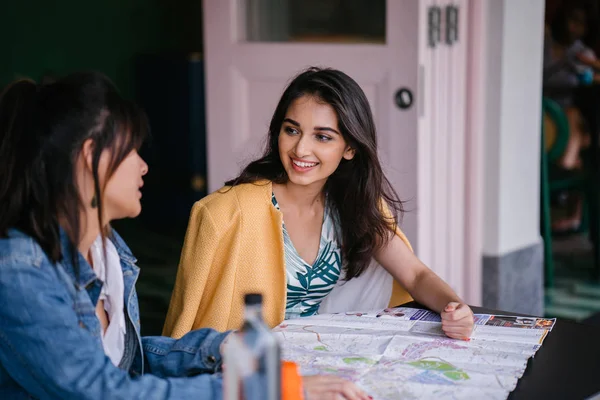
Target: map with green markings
{"x":403,"y":353}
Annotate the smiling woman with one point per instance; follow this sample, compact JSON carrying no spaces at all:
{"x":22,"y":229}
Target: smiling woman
{"x":310,"y":146}
{"x":303,"y":224}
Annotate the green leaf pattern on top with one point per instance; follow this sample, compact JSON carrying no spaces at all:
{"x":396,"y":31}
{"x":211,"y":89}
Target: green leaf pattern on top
{"x":307,"y":285}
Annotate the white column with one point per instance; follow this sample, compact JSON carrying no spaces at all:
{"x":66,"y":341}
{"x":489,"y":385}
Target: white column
{"x":512,"y":125}
{"x":512,"y":271}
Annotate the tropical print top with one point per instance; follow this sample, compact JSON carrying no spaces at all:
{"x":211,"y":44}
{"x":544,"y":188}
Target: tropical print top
{"x":307,"y":285}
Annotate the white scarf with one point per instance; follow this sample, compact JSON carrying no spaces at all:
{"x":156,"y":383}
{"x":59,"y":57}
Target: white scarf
{"x":113,"y":291}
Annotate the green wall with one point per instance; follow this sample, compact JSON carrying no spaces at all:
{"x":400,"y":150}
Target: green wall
{"x":58,"y":37}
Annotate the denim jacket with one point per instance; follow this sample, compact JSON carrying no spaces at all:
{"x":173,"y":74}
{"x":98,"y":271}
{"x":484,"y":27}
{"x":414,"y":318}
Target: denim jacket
{"x":50,"y":337}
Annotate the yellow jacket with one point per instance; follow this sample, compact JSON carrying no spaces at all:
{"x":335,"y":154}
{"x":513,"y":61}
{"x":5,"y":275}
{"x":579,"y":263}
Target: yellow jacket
{"x":233,"y":246}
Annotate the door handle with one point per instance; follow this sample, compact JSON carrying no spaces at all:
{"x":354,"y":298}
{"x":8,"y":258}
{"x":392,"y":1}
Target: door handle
{"x":403,"y":98}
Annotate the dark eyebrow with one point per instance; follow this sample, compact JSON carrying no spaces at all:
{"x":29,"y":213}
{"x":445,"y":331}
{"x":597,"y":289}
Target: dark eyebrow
{"x":325,"y":128}
{"x":317,"y":128}
{"x":291,"y":121}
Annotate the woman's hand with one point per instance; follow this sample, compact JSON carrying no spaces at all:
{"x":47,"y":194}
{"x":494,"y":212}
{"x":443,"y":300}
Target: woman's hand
{"x":457,"y":321}
{"x":331,"y":387}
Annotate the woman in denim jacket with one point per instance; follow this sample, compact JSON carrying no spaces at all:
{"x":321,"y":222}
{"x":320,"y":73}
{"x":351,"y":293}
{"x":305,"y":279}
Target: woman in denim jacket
{"x":69,"y":317}
{"x":69,"y":165}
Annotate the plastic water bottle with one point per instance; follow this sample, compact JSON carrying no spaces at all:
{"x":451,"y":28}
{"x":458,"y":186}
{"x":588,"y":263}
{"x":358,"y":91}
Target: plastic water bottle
{"x":252,"y":358}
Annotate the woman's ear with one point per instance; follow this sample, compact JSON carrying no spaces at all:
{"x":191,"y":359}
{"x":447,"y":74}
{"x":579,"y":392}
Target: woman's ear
{"x":87,"y":153}
{"x":349,"y":153}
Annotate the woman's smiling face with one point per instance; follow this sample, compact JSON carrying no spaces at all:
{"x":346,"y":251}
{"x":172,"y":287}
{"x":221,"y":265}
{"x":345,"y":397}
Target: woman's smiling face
{"x":310,"y":143}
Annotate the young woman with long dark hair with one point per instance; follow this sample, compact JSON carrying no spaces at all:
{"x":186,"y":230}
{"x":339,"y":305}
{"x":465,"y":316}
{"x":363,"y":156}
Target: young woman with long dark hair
{"x":304,"y":223}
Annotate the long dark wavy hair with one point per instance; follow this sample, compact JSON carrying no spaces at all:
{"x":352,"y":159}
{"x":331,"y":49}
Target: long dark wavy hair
{"x":42,"y":132}
{"x":357,"y":189}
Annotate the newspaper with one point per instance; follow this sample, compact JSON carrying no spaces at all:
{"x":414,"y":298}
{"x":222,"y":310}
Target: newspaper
{"x":403,"y":353}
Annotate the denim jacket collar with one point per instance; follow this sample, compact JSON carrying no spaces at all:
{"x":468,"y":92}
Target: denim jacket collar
{"x":86,"y":273}
{"x":123,"y":250}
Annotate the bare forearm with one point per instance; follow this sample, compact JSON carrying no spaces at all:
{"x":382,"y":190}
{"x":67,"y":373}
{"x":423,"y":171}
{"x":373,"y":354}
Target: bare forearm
{"x":595,"y":64}
{"x":589,"y":61}
{"x":431,"y":291}
{"x":421,"y":282}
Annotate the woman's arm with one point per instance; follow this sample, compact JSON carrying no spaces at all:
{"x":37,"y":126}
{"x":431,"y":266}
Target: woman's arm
{"x":422,"y":283}
{"x":197,"y":352}
{"x":426,"y":287}
{"x":49,"y":354}
{"x":588,"y":60}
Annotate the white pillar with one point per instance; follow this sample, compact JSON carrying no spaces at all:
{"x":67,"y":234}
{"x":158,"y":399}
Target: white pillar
{"x":512,"y":247}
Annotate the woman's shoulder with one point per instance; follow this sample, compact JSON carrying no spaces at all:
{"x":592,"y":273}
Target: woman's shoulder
{"x":231,"y":200}
{"x":239,"y":194}
{"x":17,"y":246}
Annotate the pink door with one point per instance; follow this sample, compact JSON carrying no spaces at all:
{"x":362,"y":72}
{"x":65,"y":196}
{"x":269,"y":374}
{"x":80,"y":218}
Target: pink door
{"x":253,"y":48}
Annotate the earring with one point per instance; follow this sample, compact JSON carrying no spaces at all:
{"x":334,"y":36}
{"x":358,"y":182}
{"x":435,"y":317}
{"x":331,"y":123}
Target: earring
{"x":94,"y":203}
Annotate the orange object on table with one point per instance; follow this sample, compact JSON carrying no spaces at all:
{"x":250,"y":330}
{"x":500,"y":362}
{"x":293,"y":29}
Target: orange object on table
{"x":291,"y":382}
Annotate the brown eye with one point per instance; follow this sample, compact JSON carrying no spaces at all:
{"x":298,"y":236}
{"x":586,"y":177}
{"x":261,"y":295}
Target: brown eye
{"x":291,"y":131}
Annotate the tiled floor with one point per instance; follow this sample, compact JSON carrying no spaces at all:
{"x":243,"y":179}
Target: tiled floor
{"x":575,"y":296}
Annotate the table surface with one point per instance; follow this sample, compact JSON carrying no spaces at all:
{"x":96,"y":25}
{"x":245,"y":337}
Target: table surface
{"x":567,"y":366}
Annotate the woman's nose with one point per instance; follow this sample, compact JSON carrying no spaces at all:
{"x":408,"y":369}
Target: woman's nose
{"x":144,"y":167}
{"x":302,"y":148}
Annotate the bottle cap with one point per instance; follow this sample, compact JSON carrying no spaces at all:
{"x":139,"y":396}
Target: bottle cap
{"x":253,"y":299}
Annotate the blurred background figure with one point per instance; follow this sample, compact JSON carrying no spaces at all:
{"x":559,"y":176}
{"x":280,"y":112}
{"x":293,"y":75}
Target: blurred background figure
{"x":569,"y":64}
{"x":570,"y":110}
